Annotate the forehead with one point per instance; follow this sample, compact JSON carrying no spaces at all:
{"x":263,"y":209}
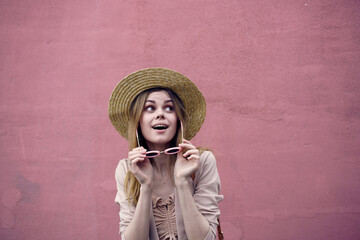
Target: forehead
{"x":159,"y":96}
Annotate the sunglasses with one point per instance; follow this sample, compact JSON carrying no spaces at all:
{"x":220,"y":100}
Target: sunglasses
{"x":168,"y":151}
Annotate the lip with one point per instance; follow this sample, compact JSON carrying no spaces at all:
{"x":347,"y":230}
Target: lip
{"x":166,"y":125}
{"x":160,"y":130}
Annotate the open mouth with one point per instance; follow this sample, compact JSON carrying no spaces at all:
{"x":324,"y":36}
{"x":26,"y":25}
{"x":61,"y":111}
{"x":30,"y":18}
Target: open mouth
{"x":160,"y":127}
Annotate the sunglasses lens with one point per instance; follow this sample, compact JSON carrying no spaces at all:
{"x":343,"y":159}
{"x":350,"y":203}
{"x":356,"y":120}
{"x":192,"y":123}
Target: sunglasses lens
{"x":173,"y":150}
{"x":152,"y":154}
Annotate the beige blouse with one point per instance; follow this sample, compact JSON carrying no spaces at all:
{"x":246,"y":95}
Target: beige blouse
{"x":205,"y":189}
{"x":164,"y":216}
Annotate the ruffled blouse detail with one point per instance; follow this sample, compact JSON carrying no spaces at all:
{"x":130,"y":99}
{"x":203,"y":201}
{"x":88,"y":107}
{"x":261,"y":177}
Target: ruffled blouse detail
{"x":164,"y":216}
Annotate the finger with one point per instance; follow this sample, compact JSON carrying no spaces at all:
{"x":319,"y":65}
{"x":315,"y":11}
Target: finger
{"x":137,"y":151}
{"x":193,"y":157}
{"x":187,"y":145}
{"x":137,"y":160}
{"x":186,"y":141}
{"x":191,"y":152}
{"x":136,"y":155}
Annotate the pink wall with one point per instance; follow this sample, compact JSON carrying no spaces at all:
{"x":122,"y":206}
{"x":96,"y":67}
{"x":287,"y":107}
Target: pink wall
{"x":281,"y":79}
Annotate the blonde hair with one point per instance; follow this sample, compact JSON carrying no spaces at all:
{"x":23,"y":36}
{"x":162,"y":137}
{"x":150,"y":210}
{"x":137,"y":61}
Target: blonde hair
{"x":131,"y":184}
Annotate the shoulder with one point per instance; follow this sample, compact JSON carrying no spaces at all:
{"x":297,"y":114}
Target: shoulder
{"x":207,"y":163}
{"x":207,"y":158}
{"x":121,"y":170}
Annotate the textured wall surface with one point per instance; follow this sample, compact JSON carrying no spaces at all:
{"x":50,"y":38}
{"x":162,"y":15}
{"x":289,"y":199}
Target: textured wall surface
{"x":282,"y":84}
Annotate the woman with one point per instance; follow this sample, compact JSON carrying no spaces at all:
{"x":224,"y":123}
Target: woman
{"x":166,"y":188}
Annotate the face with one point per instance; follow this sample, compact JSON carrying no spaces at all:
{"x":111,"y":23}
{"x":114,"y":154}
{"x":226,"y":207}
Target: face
{"x":158,"y":121}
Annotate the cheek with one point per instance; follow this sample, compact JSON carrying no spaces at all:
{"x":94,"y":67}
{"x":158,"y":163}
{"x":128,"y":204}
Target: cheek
{"x":145,"y":131}
{"x":174,"y":120}
{"x":172,"y":117}
{"x":144,"y":118}
{"x":143,"y":123}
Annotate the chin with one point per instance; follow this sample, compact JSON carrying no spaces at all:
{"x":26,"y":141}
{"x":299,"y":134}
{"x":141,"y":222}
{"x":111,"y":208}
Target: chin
{"x":161,"y":140}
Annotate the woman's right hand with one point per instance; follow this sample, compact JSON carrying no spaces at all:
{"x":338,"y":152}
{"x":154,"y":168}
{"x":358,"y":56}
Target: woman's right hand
{"x":141,"y":166}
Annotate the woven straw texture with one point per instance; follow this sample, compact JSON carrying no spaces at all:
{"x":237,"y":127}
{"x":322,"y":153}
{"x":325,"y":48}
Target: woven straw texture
{"x":129,"y":87}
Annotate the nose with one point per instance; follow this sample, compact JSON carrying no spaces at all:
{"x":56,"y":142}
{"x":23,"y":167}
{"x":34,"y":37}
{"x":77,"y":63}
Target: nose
{"x":160,"y":114}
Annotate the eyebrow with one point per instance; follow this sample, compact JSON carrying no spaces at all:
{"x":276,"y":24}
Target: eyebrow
{"x":166,"y":101}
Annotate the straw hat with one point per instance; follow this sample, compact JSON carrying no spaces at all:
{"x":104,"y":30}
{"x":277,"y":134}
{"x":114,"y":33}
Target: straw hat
{"x":130,"y":86}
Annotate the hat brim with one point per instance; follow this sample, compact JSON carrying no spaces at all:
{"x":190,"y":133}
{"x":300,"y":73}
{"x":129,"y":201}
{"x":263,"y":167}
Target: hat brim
{"x":135,"y":83}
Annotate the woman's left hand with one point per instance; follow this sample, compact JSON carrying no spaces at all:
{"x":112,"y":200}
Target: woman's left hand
{"x":186,"y":163}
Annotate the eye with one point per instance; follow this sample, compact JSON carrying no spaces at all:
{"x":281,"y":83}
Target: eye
{"x":149,"y":108}
{"x":169,"y":108}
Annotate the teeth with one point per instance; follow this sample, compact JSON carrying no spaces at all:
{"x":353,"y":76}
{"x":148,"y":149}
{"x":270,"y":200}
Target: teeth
{"x":160,"y":126}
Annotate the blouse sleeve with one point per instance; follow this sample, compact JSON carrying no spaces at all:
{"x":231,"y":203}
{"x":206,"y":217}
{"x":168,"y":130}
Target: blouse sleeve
{"x":206,"y":191}
{"x":126,"y":209}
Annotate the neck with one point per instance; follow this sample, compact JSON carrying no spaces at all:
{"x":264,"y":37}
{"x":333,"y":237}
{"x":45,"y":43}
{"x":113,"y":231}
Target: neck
{"x":162,"y":163}
{"x":159,"y":147}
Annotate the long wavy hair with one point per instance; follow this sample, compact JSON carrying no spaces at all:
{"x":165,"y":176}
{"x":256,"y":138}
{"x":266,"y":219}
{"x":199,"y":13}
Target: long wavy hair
{"x":131,"y":184}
